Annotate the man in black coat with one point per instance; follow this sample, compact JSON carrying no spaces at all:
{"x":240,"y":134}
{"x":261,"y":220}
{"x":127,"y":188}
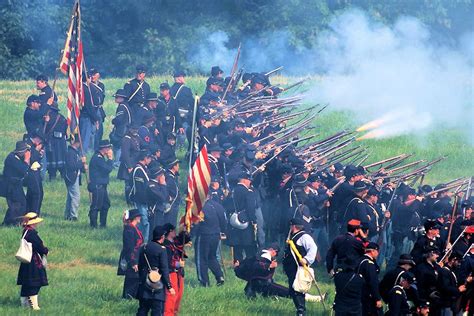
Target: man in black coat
{"x":138,"y":194}
{"x":392,"y":277}
{"x":427,"y":274}
{"x":429,"y":239}
{"x":184,"y":100}
{"x":153,"y":256}
{"x":245,"y":204}
{"x":33,"y":117}
{"x":208,"y":234}
{"x":167,"y":112}
{"x":172,"y":183}
{"x":98,"y":95}
{"x":89,"y":118}
{"x":46,"y":94}
{"x":128,"y":263}
{"x":157,"y":196}
{"x":357,"y":207}
{"x":101,"y":166}
{"x":15,"y":170}
{"x":397,"y":297}
{"x":128,"y":158}
{"x":347,"y":246}
{"x":137,"y":90}
{"x":121,"y":122}
{"x":450,"y":286}
{"x":34,"y":181}
{"x":55,"y":138}
{"x":368,"y":268}
{"x":75,"y":166}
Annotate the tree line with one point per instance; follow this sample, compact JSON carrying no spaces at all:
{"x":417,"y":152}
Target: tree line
{"x":163,"y":33}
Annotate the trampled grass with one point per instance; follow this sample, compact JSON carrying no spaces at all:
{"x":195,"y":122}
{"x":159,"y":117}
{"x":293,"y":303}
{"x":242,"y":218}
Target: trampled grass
{"x":83,"y":262}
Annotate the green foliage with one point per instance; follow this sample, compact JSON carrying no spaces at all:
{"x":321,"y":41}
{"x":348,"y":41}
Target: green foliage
{"x":163,"y":33}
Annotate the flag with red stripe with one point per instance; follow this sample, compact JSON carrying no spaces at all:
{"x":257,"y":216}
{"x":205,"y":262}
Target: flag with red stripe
{"x":199,"y":179}
{"x":71,"y":64}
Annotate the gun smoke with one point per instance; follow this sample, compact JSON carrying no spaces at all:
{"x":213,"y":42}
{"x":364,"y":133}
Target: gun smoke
{"x":398,"y":72}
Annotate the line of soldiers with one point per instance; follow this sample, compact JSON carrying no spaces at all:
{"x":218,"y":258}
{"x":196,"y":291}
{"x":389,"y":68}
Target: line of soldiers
{"x":257,"y":188}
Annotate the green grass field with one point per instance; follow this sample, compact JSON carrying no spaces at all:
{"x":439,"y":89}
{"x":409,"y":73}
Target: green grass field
{"x":83,"y":262}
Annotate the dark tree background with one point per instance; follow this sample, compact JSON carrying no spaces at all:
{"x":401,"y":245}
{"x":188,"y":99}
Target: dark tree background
{"x":119,"y":34}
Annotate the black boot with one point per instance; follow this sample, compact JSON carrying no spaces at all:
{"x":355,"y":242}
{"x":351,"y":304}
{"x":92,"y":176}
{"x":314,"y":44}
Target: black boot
{"x":93,"y":218}
{"x":103,"y":218}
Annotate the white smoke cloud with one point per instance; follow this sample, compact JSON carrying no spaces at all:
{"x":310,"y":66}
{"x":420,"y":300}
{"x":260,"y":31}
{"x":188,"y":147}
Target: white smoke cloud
{"x":374,"y":70}
{"x":397,"y":71}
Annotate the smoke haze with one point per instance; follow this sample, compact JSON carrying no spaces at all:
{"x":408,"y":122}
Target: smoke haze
{"x":396,"y":72}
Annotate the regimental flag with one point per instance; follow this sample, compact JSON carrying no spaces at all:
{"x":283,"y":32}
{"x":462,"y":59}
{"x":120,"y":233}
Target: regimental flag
{"x":199,"y":179}
{"x":71,"y":65}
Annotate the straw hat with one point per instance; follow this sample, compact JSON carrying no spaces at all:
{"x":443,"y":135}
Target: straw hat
{"x":31,"y":218}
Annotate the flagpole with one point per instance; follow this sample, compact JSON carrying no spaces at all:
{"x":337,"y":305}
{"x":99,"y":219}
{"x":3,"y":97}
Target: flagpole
{"x":193,"y":133}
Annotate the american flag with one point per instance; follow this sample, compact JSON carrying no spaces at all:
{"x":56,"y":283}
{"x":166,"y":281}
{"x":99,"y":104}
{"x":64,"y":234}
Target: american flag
{"x":71,"y":65}
{"x":199,"y":179}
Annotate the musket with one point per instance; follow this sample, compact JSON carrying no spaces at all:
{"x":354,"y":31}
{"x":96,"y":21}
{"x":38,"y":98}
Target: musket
{"x":271,"y":72}
{"x":294,"y":85}
{"x":454,"y":181}
{"x":356,"y":157}
{"x":271,"y":158}
{"x":447,"y":251}
{"x":416,"y":171}
{"x":467,"y":251}
{"x":334,"y":161}
{"x":297,"y":140}
{"x":453,"y":214}
{"x":393,"y":163}
{"x":328,"y":140}
{"x":294,"y":130}
{"x":363,"y":160}
{"x":339,"y":146}
{"x":232,"y":73}
{"x":334,"y":188}
{"x":341,"y":154}
{"x":411,"y":164}
{"x":467,"y":196}
{"x":382,"y":161}
{"x":385,"y":219}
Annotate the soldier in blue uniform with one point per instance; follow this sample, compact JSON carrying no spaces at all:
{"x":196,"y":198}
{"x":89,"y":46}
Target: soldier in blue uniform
{"x":184,"y":100}
{"x":89,"y":119}
{"x":121,"y":122}
{"x":137,"y":90}
{"x":368,"y":268}
{"x":167,"y":112}
{"x":347,"y":246}
{"x":55,"y":137}
{"x":101,"y":166}
{"x":157,"y":197}
{"x":98,"y":95}
{"x":33,"y":116}
{"x":208,"y":235}
{"x":15,"y":170}
{"x":46,"y":94}
{"x":138,"y":194}
{"x":128,"y":158}
{"x":75,"y":166}
{"x":172,"y":183}
{"x":34,"y":181}
{"x":153,"y":257}
{"x":397,"y":297}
